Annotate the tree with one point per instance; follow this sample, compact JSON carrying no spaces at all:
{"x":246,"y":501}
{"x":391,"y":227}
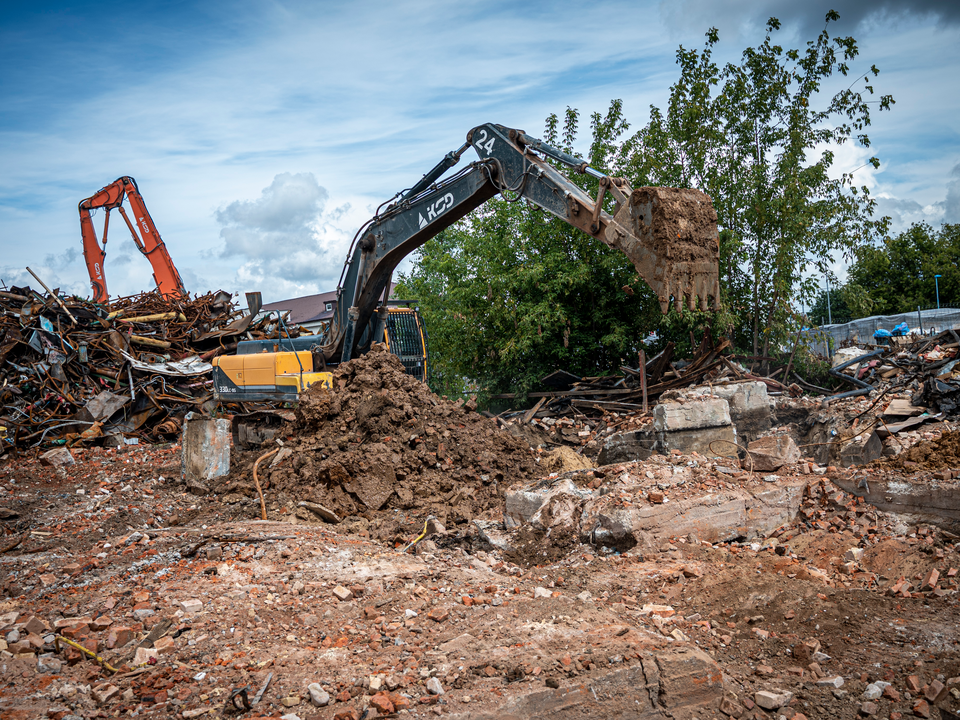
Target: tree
{"x":898,"y":273}
{"x":511,"y":293}
{"x":846,"y":302}
{"x":756,"y":137}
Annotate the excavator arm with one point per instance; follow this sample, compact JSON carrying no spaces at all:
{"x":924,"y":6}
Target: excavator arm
{"x":669,"y":234}
{"x":147,"y":240}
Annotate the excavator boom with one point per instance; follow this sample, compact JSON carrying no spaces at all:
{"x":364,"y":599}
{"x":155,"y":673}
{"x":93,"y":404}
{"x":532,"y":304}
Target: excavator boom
{"x":669,"y":234}
{"x":142,"y":228}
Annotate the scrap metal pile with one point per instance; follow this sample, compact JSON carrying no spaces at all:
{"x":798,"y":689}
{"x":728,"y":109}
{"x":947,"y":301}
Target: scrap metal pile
{"x":72,"y":371}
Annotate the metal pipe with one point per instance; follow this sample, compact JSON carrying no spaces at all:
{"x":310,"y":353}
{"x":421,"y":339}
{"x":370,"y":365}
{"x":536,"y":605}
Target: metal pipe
{"x":864,"y":387}
{"x":560,"y":156}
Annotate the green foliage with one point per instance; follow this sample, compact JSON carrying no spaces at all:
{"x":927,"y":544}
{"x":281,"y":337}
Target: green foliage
{"x":676,"y":326}
{"x":898,"y":273}
{"x":847,"y":302}
{"x":511,"y":293}
{"x":752,"y":136}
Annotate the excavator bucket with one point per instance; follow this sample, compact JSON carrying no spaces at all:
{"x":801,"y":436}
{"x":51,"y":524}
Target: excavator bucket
{"x":670,"y":235}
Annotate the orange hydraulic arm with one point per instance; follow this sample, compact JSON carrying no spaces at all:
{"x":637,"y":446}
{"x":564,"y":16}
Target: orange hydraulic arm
{"x":164,"y":271}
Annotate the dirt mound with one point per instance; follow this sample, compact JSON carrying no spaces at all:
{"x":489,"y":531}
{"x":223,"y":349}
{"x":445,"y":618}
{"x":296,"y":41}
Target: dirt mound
{"x":381,"y":446}
{"x":563,"y":459}
{"x":938,"y":454}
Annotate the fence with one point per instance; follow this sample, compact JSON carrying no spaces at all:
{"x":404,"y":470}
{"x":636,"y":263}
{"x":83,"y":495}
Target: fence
{"x":827,"y":338}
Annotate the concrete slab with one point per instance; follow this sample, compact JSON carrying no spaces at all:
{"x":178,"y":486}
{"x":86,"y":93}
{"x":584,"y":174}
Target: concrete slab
{"x":692,"y":415}
{"x":624,"y":447}
{"x":711,"y":442}
{"x":681,"y":683}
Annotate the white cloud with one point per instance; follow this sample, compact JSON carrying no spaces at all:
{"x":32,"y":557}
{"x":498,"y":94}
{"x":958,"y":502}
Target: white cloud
{"x":363,"y":99}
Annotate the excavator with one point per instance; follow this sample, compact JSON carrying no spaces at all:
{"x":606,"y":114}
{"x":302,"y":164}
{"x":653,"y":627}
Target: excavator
{"x":111,"y":197}
{"x":669,"y":234}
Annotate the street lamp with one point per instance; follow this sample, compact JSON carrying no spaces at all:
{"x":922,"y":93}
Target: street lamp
{"x":937,"y":283}
{"x":829,"y":314}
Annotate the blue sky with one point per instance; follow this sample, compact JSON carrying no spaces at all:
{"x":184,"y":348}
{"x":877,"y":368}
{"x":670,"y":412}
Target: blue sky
{"x":262,"y":134}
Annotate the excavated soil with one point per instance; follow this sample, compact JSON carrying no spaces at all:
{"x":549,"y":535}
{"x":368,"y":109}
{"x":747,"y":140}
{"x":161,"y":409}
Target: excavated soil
{"x":384,"y":453}
{"x":938,"y":454}
{"x":675,"y":246}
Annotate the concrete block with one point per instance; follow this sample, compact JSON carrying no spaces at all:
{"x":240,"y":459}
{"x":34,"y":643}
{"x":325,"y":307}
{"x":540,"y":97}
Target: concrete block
{"x":624,"y":447}
{"x":773,"y":452}
{"x":714,"y":517}
{"x":772,"y":700}
{"x":521,"y":504}
{"x":860,"y":450}
{"x":686,"y":683}
{"x":741,"y":397}
{"x":710,"y":441}
{"x":691,"y":415}
{"x":205,"y":450}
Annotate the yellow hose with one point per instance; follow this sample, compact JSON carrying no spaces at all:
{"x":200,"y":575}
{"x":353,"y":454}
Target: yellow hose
{"x":103,"y":663}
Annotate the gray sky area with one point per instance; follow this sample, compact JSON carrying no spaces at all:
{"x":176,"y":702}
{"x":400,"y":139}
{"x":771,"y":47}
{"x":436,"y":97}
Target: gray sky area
{"x":262,"y":135}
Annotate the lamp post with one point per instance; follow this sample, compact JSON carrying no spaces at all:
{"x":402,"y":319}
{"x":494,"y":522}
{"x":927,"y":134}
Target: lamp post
{"x":829,"y":314}
{"x":936,"y":282}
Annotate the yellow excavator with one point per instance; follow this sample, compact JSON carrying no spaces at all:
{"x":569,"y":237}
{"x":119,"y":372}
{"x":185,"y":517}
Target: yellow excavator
{"x":282,"y":368}
{"x":669,"y":234}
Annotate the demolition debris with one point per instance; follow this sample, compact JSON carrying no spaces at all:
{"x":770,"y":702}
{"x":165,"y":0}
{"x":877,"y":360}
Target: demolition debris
{"x":74,"y":372}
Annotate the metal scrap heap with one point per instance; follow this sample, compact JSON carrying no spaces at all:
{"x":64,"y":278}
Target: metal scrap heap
{"x":73,"y":371}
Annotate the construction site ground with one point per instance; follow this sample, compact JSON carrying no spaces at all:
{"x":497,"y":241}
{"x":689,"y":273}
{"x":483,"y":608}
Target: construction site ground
{"x":117,"y":548}
{"x":130,"y":592}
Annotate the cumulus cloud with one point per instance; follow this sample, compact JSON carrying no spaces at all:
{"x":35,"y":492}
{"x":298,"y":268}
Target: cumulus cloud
{"x":286,"y":239}
{"x":902,"y":213}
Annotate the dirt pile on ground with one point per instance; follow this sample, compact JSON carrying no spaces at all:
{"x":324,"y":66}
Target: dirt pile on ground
{"x":563,"y":459}
{"x":937,"y":454}
{"x":380,"y":446}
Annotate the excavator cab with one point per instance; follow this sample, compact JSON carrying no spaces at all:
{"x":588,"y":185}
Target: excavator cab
{"x":279,"y":370}
{"x":406,"y":337}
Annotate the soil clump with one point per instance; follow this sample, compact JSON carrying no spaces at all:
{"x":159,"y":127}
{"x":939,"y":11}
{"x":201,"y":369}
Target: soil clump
{"x":383,"y":451}
{"x":936,"y":454}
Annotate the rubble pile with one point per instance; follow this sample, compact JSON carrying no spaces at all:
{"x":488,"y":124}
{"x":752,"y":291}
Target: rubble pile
{"x":72,"y":371}
{"x":633,"y":391}
{"x":379,"y":446}
{"x":731,"y":552}
{"x":843,"y":611}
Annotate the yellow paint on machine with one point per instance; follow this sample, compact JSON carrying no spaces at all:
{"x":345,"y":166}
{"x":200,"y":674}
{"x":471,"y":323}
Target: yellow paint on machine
{"x":282,"y":368}
{"x":302,"y":382}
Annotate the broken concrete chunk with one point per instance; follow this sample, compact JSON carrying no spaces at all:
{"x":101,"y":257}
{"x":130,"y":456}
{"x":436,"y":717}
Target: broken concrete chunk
{"x":853,"y":555}
{"x":58,"y":457}
{"x":143,"y":656}
{"x":772,"y":700}
{"x":191,"y":606}
{"x":318,"y":696}
{"x":104,"y":693}
{"x":342,"y":594}
{"x":205,"y":450}
{"x":434,"y":687}
{"x":834,"y":682}
{"x":320,"y":511}
{"x":693,"y":415}
{"x":772,"y":452}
